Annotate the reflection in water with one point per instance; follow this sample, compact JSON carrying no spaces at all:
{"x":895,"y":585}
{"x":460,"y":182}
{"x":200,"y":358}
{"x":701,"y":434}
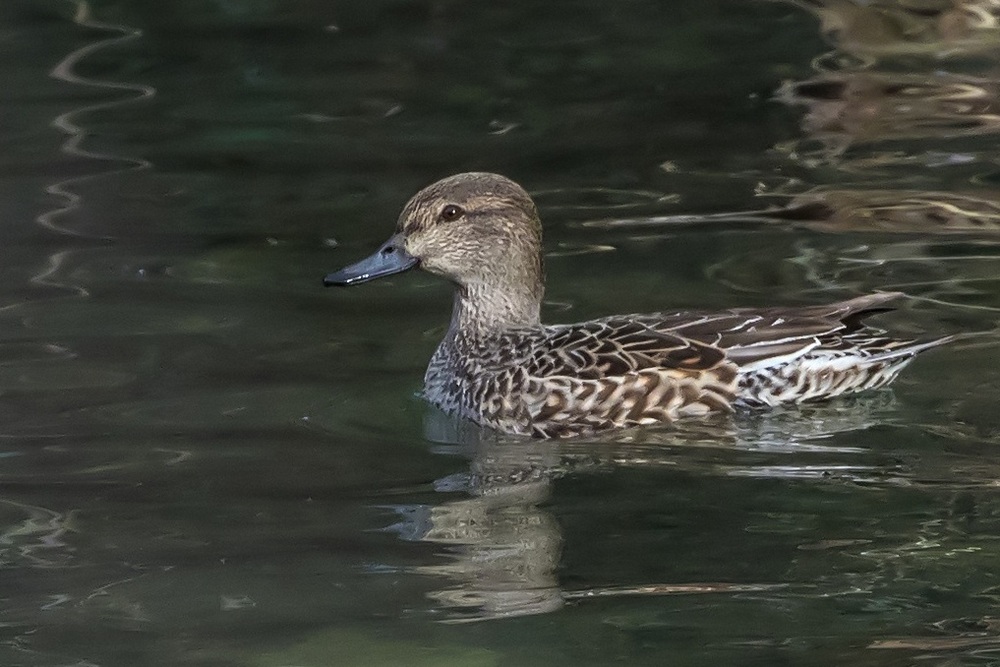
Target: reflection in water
{"x":953,"y":272}
{"x":943,"y":247}
{"x":503,"y":548}
{"x":66,"y":123}
{"x":51,"y":273}
{"x":37,"y":540}
{"x":882,"y":104}
{"x":946,"y":273}
{"x":853,"y":210}
{"x":939,"y":28}
{"x":848,"y":108}
{"x":922,"y":211}
{"x":597,"y":198}
{"x":881,"y":99}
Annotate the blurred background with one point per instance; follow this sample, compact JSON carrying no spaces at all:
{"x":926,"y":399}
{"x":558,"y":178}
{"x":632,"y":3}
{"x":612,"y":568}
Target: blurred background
{"x":207,"y":459}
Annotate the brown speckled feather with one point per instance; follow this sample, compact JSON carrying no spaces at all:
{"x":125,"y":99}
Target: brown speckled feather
{"x":562,"y":380}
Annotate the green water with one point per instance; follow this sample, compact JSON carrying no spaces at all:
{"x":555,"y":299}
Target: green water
{"x":208,"y":459}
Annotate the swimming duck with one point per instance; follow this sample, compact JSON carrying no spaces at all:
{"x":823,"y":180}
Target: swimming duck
{"x":500,"y":367}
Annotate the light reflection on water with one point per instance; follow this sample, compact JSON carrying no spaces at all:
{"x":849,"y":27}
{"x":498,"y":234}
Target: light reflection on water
{"x":66,"y":70}
{"x":206,"y":459}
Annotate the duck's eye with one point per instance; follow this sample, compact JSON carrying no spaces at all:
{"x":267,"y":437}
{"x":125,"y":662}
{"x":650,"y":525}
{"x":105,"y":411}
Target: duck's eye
{"x":451,"y":212}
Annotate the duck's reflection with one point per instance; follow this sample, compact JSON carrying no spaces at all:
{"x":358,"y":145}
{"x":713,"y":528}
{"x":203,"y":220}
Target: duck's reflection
{"x":941,"y":28}
{"x":504,"y":548}
{"x":860,"y":106}
{"x":884,"y":85}
{"x":926,"y":211}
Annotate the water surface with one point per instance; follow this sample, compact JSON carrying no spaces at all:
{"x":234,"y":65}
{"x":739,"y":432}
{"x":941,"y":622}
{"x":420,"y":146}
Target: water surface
{"x":207,"y":459}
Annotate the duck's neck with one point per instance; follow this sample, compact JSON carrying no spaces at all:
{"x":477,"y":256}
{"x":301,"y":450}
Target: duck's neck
{"x":483,"y":310}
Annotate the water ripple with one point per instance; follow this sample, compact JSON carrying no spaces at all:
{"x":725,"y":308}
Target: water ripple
{"x":38,"y":539}
{"x":66,"y":122}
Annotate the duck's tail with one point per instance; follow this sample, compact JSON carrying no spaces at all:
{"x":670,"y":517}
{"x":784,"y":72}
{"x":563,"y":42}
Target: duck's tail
{"x":858,"y":362}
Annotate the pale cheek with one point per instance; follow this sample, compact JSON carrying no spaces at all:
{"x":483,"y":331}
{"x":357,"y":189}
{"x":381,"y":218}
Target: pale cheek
{"x":420,"y":249}
{"x":462,"y":264}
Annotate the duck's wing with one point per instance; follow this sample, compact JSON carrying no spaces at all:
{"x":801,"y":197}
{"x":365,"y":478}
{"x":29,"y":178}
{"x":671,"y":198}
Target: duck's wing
{"x":762,"y":336}
{"x":801,"y":354}
{"x":618,"y":346}
{"x":618,"y":372}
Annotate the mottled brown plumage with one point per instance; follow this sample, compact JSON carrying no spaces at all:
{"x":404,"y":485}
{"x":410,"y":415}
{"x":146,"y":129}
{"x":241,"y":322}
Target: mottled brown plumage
{"x":499,"y":366}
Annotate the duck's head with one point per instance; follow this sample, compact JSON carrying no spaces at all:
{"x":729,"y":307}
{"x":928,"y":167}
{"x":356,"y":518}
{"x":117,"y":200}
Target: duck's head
{"x":479,"y":230}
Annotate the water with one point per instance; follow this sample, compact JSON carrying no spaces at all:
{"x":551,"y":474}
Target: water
{"x":207,"y":459}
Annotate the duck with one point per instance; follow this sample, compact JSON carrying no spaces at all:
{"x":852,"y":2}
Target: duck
{"x":499,"y":366}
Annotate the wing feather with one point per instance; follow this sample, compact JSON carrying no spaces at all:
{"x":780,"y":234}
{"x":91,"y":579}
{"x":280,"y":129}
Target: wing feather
{"x":616,"y":347}
{"x":763,"y":336}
